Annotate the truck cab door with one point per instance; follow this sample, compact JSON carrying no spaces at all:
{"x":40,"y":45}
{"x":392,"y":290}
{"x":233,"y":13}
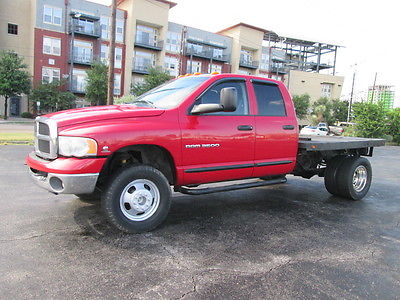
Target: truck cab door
{"x":276,"y":129}
{"x":218,"y":146}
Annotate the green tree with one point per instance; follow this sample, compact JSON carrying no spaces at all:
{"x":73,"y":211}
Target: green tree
{"x":301,"y":103}
{"x":156,"y":77}
{"x":339,"y":110}
{"x":14,"y":77}
{"x":51,"y":98}
{"x":322,"y":111}
{"x":393,"y":124}
{"x":369,"y":119}
{"x":96,"y":87}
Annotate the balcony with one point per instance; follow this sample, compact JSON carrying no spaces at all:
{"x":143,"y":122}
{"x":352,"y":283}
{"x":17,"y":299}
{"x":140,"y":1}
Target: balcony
{"x":141,"y":68}
{"x":278,"y":69}
{"x":206,"y":53}
{"x":148,"y":43}
{"x":81,"y":59}
{"x":81,"y":27}
{"x":245,"y":63}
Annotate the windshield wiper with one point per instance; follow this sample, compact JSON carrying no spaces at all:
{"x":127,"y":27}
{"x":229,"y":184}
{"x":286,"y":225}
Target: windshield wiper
{"x":144,"y":101}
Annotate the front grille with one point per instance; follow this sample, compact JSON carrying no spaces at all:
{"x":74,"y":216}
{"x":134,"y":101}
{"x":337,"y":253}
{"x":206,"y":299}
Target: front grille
{"x":44,"y":129}
{"x":46,"y":138}
{"x":44,"y":146}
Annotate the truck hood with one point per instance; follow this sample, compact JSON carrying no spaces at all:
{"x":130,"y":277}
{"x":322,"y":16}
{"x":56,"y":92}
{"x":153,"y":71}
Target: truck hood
{"x":99,"y":113}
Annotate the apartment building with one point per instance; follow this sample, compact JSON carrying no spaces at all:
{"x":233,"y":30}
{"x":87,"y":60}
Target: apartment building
{"x":60,"y":40}
{"x":383,"y":94}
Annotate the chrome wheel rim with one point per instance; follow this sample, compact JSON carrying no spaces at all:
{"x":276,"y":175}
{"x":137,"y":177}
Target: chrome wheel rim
{"x":360,"y":178}
{"x":139,"y":200}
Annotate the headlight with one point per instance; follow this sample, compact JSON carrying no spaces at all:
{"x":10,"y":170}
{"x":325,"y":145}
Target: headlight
{"x":76,"y":146}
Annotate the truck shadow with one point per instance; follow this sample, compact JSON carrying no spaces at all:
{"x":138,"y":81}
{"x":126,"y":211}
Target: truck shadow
{"x":230,"y":220}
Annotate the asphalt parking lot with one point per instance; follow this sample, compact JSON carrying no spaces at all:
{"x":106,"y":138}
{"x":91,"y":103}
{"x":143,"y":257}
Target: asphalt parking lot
{"x":281,"y":242}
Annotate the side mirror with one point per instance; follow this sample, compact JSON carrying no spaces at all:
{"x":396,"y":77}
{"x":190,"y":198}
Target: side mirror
{"x":228,"y":99}
{"x":228,"y":103}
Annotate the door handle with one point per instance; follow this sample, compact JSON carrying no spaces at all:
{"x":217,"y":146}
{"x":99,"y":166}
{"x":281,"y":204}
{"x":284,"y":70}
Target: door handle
{"x":245,"y":127}
{"x":288,"y":127}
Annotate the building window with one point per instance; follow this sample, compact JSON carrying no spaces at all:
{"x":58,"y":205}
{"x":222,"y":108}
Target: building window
{"x":173,"y":43}
{"x":12,"y":28}
{"x":246,"y":56}
{"x":104,"y":53}
{"x":143,"y":61}
{"x":52,"y":15}
{"x":326,"y":90}
{"x":79,"y":81}
{"x":50,"y":74}
{"x":194,"y":48}
{"x":117,"y":84}
{"x":84,"y":26}
{"x":193,"y":67}
{"x":217,"y":53}
{"x":82,"y":52}
{"x":104,"y":25}
{"x":216,"y":68}
{"x":51,"y":46}
{"x":171,"y":65}
{"x":146,"y":35}
{"x":119,"y":31}
{"x":264,"y":64}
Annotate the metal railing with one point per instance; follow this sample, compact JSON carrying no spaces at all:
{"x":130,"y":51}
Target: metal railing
{"x":248,"y":63}
{"x":148,"y":43}
{"x":91,"y":29}
{"x":206,"y":53}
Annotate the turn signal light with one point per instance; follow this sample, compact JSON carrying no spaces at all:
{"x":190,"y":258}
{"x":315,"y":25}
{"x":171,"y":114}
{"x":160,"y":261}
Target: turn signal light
{"x":214,"y":73}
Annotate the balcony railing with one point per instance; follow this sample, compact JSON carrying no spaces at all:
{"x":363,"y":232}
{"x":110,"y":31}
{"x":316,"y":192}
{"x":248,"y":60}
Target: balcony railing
{"x":206,"y":53}
{"x":277,"y":68}
{"x":148,"y":43}
{"x":82,"y":59}
{"x":248,"y":64}
{"x":88,"y":29}
{"x":141,"y":68}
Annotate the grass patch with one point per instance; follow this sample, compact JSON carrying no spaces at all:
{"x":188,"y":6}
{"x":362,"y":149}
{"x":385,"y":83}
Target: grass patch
{"x":16,"y":138}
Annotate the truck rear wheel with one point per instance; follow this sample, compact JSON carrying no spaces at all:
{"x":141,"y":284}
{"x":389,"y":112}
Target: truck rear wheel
{"x":330,"y":177}
{"x":354,"y":178}
{"x":137,"y":199}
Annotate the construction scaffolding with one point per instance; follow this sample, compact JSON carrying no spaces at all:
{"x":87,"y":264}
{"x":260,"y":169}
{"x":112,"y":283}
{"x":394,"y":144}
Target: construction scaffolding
{"x":285,"y":54}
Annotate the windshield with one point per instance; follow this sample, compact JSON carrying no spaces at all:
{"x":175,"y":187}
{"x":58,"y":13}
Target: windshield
{"x":170,"y":94}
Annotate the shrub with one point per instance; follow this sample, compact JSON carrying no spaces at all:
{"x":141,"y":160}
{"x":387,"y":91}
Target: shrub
{"x":27,"y":115}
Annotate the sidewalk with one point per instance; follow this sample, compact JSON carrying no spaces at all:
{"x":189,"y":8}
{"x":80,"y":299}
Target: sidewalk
{"x":16,"y":131}
{"x":17,"y":120}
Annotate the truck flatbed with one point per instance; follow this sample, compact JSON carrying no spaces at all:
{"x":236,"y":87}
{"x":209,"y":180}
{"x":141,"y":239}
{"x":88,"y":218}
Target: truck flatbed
{"x":326,"y":143}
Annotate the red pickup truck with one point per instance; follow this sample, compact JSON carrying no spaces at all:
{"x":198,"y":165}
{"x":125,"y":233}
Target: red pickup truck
{"x":188,"y":132}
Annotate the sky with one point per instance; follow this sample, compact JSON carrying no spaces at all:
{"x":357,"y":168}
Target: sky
{"x":366,"y":30}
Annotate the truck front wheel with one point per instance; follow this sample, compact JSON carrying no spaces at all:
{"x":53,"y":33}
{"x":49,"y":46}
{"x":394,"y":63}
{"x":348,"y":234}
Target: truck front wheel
{"x":354,"y":178}
{"x":137,"y":199}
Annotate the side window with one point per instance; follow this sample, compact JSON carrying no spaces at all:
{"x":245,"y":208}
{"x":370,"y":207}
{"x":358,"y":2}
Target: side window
{"x":269,"y":100}
{"x":212,"y":95}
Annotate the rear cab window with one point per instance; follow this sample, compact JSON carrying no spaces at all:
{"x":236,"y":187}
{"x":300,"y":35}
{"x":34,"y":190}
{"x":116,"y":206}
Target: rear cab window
{"x":269,"y":99}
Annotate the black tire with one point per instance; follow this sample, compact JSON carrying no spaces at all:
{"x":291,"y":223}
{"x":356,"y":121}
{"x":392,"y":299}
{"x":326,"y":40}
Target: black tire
{"x":345,"y":175}
{"x":330,"y":177}
{"x":114,"y":208}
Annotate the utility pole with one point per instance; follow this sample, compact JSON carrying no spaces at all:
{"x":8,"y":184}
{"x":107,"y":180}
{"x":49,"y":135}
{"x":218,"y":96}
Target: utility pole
{"x":373,"y":88}
{"x":351,"y":96}
{"x":111,"y":54}
{"x":182,"y":50}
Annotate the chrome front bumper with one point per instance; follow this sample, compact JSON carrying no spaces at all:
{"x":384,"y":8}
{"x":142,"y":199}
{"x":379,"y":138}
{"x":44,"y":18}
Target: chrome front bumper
{"x":66,"y":183}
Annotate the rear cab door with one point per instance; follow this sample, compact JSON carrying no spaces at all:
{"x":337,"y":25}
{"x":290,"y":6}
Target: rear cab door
{"x":276,"y":138}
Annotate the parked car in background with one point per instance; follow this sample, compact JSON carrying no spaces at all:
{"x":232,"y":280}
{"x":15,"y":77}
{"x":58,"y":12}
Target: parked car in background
{"x":314,"y":130}
{"x":336,"y":130}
